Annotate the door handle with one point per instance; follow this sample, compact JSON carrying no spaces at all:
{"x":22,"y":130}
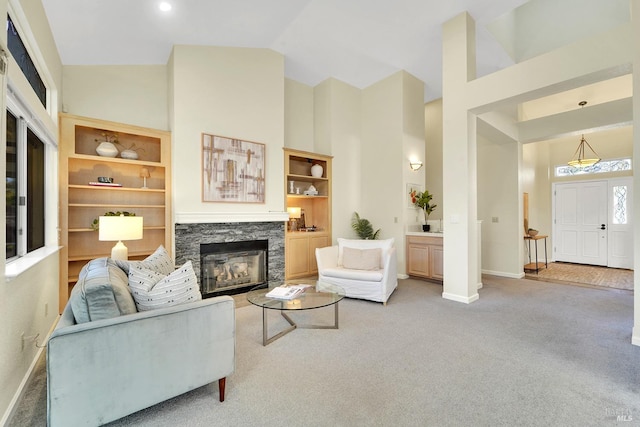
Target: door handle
{"x":603,"y":227}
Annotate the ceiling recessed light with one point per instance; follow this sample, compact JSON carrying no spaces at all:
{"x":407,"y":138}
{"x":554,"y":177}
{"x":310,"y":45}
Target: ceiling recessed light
{"x":164,"y":6}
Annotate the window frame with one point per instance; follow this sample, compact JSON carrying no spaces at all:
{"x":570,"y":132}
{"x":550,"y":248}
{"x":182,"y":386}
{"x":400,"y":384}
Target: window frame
{"x":26,"y":119}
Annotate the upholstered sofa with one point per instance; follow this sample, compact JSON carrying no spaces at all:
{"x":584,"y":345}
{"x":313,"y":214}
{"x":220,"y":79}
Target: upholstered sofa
{"x":365,"y":269}
{"x":106,"y":359}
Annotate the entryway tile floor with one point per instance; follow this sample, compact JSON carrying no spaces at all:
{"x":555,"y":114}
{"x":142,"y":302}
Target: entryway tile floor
{"x":585,"y":275}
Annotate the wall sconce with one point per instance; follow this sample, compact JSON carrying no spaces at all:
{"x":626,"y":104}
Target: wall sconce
{"x":294,"y":215}
{"x":415,"y":165}
{"x":119,"y":228}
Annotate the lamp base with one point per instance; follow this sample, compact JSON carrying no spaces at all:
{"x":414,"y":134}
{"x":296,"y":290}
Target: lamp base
{"x":120,"y":252}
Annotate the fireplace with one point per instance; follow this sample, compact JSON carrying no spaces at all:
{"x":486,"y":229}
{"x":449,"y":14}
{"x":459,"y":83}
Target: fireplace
{"x":192,"y":233}
{"x":233,"y":267}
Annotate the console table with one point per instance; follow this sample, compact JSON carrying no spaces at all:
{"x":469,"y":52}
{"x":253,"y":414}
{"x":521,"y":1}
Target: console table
{"x":537,"y":265}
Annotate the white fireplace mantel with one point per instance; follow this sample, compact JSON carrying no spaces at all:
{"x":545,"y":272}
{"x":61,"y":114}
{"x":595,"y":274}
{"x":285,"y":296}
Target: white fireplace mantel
{"x":221,"y":217}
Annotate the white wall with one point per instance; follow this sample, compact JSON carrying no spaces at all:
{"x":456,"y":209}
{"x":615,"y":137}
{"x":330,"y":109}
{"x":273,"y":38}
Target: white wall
{"x":232,"y":92}
{"x":132,"y":94}
{"x":298,"y":116}
{"x":338,"y":133}
{"x":392,"y":130}
{"x":433,"y":154}
{"x":23,"y":299}
{"x":499,"y":200}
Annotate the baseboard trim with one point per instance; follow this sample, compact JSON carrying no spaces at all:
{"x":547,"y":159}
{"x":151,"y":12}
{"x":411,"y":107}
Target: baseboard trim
{"x":460,"y":298}
{"x":26,"y":380}
{"x":504,"y":274}
{"x":17,"y":397}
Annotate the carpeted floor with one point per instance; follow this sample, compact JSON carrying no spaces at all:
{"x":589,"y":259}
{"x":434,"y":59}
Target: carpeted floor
{"x":584,"y":274}
{"x":528,"y":353}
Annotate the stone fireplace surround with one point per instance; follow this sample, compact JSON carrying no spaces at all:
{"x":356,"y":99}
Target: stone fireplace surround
{"x":193,"y":229}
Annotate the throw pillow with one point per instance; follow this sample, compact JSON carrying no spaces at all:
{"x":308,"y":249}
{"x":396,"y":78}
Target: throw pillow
{"x":385,"y":245}
{"x":152,"y":289}
{"x":362,"y":259}
{"x":159,"y":261}
{"x":101,"y":292}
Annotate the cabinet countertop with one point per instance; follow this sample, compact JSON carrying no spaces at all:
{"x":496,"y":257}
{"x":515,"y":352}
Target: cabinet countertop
{"x":422,"y":233}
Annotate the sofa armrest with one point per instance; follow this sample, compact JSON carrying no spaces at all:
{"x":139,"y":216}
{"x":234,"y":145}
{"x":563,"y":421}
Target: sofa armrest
{"x":103,"y":370}
{"x":390,"y":277}
{"x":327,"y":257}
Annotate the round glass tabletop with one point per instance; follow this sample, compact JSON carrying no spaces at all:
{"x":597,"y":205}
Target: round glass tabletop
{"x":318,"y":294}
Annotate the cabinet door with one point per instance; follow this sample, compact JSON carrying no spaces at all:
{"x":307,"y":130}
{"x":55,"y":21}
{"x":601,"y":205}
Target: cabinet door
{"x":315,"y":242}
{"x":297,"y":256}
{"x":418,"y":260}
{"x":436,"y":260}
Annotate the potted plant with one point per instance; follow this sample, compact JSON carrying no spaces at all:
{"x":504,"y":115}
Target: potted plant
{"x":422,"y":200}
{"x":363,"y":228}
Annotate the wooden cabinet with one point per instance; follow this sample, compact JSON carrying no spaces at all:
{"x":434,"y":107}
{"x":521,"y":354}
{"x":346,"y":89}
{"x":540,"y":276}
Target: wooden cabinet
{"x":81,"y":201}
{"x":425,"y":257}
{"x":314,"y":227}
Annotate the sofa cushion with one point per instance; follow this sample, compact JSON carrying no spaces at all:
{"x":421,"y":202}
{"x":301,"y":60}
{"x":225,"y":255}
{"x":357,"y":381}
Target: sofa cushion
{"x":159,"y":261}
{"x":101,"y":292}
{"x":346,"y":273}
{"x":152,"y":289}
{"x":385,"y":245}
{"x":361,"y":259}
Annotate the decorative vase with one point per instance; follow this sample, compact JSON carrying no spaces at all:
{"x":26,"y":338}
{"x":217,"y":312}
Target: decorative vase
{"x":129,"y":154}
{"x":107,"y":149}
{"x":316,"y":171}
{"x":426,"y":227}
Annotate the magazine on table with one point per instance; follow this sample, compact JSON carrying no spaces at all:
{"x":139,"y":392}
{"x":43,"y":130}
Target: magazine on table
{"x":287,"y":291}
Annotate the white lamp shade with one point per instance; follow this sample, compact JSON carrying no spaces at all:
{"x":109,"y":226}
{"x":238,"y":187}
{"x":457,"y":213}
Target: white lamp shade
{"x":115,"y":228}
{"x":294,"y":212}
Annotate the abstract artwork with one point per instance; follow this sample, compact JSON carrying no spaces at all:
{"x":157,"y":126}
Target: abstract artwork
{"x":232,"y":170}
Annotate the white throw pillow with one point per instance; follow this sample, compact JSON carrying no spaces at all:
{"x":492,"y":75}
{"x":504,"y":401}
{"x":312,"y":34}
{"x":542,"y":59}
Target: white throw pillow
{"x":361,"y":259}
{"x":151,"y":289}
{"x":385,"y":245}
{"x":159,"y":261}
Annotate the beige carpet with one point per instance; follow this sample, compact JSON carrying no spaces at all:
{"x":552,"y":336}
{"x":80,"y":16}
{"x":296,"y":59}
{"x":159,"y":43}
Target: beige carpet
{"x":585,"y":274}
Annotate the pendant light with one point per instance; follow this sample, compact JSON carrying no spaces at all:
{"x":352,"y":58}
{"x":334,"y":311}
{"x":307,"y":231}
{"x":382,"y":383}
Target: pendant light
{"x":580,"y":161}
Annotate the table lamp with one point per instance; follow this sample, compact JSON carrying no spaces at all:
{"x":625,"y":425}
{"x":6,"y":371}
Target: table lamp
{"x":119,"y":228}
{"x":144,"y":174}
{"x":294,"y":215}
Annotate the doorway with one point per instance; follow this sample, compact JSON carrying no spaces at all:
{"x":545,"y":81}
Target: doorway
{"x":593,"y":222}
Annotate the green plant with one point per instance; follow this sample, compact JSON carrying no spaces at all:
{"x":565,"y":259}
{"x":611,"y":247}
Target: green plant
{"x":363,"y":228}
{"x":95,"y":225}
{"x":422,"y":201}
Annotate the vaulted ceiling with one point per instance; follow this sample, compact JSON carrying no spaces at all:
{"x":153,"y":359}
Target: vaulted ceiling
{"x":357,"y":41}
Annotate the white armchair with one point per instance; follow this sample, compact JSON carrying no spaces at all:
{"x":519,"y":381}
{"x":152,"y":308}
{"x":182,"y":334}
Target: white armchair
{"x":365,"y":269}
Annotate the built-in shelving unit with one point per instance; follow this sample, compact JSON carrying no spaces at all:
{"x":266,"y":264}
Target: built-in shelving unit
{"x":81,"y":203}
{"x":314,"y":229}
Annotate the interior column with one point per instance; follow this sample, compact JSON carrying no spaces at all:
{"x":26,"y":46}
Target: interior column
{"x":459,"y":156}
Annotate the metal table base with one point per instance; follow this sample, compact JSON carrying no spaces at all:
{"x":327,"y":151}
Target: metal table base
{"x":293,"y":325}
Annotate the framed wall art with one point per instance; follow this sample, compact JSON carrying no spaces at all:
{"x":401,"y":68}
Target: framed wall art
{"x":412,"y":190}
{"x":232,"y":170}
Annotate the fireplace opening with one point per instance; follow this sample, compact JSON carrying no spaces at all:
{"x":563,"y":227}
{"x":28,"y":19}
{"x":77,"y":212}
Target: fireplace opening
{"x":229,"y":268}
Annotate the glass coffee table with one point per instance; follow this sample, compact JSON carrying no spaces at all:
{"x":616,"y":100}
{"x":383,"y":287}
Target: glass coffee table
{"x":318,"y":295}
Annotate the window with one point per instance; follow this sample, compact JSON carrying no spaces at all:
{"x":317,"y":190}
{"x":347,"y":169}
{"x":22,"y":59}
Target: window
{"x":600,"y":167}
{"x":21,"y":55}
{"x":26,"y":159}
{"x":12,"y":186}
{"x":620,"y":204}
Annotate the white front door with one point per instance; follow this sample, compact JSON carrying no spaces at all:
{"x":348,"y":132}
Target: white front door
{"x":620,"y":236}
{"x":581,"y":222}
